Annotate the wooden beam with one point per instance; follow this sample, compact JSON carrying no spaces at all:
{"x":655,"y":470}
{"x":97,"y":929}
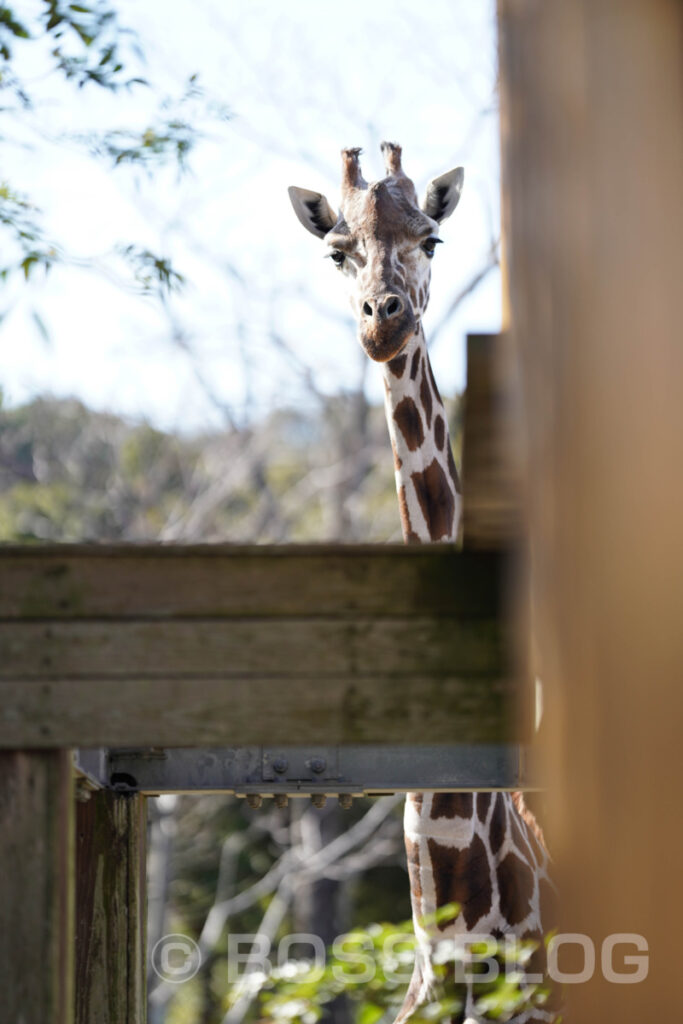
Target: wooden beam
{"x":192,"y":711}
{"x":36,"y":912}
{"x":221,"y":646}
{"x":76,"y":581}
{"x":592,"y":121}
{"x":491,"y":511}
{"x":110,"y":910}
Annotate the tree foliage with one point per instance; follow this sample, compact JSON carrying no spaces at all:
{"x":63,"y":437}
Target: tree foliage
{"x":69,"y":474}
{"x":85,"y":45}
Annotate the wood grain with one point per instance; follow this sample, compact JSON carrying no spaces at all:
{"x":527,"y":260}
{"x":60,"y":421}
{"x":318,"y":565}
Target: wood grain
{"x":36,"y":886}
{"x":195,"y":712}
{"x":151,"y":581}
{"x":208,"y":646}
{"x":110,"y":910}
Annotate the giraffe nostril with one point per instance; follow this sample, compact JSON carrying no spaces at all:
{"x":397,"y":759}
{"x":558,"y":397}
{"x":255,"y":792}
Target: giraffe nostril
{"x":367,"y":309}
{"x":393,"y":307}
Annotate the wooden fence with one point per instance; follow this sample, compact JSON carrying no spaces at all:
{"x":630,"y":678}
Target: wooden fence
{"x":215,"y":646}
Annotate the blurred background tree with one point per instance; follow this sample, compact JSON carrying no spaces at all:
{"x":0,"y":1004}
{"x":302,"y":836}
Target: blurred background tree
{"x":179,"y":365}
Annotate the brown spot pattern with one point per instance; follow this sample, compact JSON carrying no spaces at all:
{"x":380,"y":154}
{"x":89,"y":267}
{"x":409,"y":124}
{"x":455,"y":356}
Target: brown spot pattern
{"x":426,"y":398}
{"x":413,"y":859}
{"x":462,"y":877}
{"x":483,"y":804}
{"x":515,"y":887}
{"x":404,"y":513}
{"x":415,"y":364}
{"x":439,"y":432}
{"x":433,"y":382}
{"x":451,"y":805}
{"x":436,"y":500}
{"x":498,"y":822}
{"x":398,"y":365}
{"x":398,"y":462}
{"x":409,"y":535}
{"x":409,"y":422}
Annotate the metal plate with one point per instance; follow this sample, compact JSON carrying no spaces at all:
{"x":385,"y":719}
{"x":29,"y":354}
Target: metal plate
{"x":303,"y":771}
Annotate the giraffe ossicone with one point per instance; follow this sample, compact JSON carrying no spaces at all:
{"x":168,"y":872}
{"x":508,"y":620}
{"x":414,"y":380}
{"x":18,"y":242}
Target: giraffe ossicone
{"x":483,"y":851}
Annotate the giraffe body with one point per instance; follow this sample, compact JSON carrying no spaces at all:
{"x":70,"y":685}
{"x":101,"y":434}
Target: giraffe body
{"x":482,"y":851}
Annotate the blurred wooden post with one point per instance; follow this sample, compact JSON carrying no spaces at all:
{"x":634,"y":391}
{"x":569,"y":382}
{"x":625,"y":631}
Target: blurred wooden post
{"x":592,"y":129}
{"x":110,"y":910}
{"x":491,"y":518}
{"x":36,"y":878}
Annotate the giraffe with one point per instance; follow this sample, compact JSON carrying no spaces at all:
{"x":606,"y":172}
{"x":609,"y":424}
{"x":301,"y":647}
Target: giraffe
{"x":483,"y":851}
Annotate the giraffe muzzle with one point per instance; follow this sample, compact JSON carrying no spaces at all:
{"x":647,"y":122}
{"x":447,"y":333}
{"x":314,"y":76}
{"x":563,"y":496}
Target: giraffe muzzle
{"x":386,"y":324}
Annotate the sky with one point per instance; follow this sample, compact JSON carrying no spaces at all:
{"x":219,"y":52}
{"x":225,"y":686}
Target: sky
{"x":262,"y":320}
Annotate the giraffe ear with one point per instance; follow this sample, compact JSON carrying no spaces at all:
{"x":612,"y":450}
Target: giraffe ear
{"x":443,"y":193}
{"x":313,"y":210}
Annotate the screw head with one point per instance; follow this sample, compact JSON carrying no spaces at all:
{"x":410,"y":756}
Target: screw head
{"x":318,"y":765}
{"x":280,"y":765}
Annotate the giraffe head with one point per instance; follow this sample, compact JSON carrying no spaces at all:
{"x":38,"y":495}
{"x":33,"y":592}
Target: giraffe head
{"x":383,"y":241}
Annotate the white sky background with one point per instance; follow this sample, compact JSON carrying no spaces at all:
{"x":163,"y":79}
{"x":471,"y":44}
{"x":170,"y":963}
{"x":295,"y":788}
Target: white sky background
{"x":301,"y":79}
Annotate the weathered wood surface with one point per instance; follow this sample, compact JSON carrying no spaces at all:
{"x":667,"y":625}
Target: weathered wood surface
{"x":36,"y":877}
{"x":110,"y":910}
{"x":201,"y":581}
{"x":217,"y":645}
{"x":592,"y":115}
{"x":284,"y":648}
{"x":190,"y":711}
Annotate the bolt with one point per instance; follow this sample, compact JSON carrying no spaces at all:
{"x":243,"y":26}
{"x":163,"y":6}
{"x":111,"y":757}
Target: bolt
{"x":318,"y":765}
{"x":280,"y":765}
{"x":345,"y":800}
{"x":254,"y":800}
{"x":318,"y":799}
{"x":281,"y":799}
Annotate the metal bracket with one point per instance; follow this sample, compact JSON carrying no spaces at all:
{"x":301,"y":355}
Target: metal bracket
{"x":303,"y":771}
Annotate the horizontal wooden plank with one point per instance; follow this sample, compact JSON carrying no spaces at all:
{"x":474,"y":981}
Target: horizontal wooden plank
{"x":229,"y":648}
{"x":153,"y":581}
{"x":219,"y":712}
{"x":217,"y":645}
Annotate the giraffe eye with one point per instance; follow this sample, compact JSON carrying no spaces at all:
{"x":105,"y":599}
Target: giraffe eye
{"x":429,"y":246}
{"x":337,"y":257}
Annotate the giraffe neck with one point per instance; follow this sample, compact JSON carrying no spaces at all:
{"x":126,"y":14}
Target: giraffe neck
{"x":426,"y":477}
{"x":480,"y":851}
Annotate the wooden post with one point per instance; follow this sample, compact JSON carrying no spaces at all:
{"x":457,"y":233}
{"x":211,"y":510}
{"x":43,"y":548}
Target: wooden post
{"x":110,"y":910}
{"x":592,"y":127}
{"x":36,"y":872}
